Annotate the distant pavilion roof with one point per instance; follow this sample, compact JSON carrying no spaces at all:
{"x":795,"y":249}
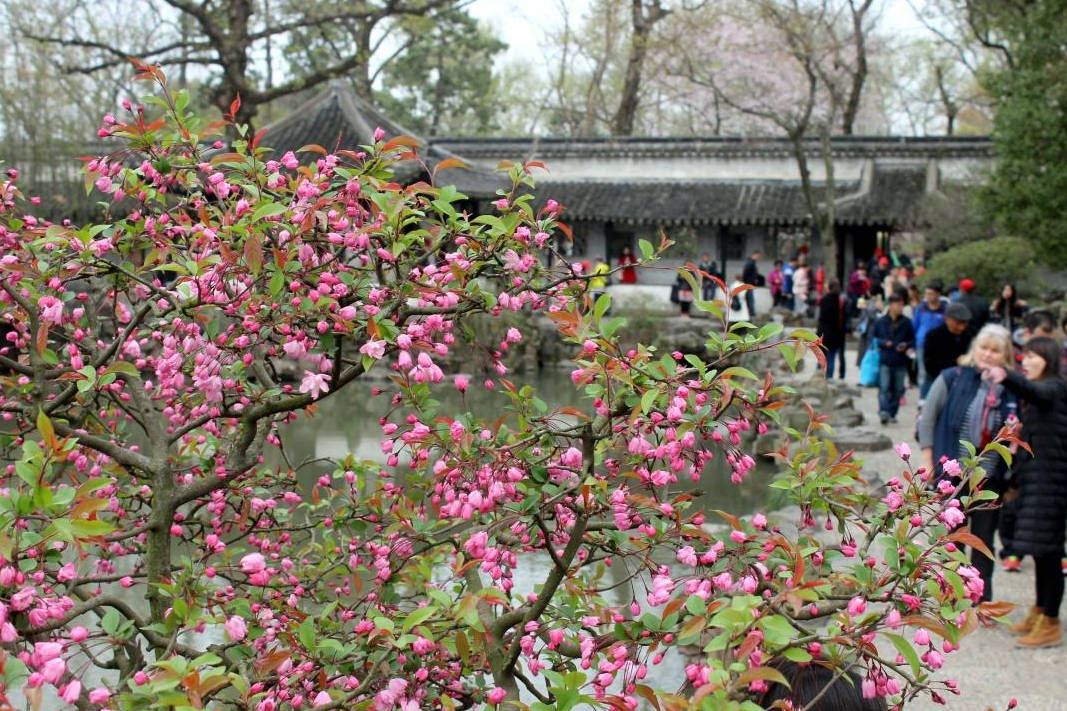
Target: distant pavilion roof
{"x":337,"y":118}
{"x":899,"y":172}
{"x":897,"y":177}
{"x":890,"y":197}
{"x":719,"y":146}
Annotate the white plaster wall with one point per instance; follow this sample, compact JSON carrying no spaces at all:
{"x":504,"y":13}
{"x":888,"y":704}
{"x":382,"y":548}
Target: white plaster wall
{"x":561,"y":170}
{"x":969,"y":170}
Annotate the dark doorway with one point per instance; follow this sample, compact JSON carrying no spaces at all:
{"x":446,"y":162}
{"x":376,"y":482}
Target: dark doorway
{"x":616,"y":240}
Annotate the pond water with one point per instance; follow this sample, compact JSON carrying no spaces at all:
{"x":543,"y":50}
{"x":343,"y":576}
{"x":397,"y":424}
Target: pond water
{"x":348,"y":423}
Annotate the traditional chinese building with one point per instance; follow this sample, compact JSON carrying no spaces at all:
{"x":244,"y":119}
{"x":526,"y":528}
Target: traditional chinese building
{"x":724,"y":196}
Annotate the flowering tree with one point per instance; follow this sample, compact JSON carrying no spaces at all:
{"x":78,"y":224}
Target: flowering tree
{"x":812,"y":60}
{"x":152,"y":557}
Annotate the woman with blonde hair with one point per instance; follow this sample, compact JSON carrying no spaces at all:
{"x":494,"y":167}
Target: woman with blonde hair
{"x":961,"y":406}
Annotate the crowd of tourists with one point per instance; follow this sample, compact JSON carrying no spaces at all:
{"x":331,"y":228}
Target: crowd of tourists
{"x":976,"y":366}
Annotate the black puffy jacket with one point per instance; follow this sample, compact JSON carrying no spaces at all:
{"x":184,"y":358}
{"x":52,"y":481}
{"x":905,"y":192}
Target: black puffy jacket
{"x":1041,"y":478}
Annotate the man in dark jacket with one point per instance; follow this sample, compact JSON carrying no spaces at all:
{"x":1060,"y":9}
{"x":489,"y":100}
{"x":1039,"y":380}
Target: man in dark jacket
{"x":750,"y":275}
{"x":978,"y":306}
{"x":895,"y":337}
{"x":946,"y":343}
{"x":833,"y":325}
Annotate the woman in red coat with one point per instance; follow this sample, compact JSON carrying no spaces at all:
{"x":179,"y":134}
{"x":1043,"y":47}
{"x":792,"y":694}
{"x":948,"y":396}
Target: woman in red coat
{"x":628,"y":275}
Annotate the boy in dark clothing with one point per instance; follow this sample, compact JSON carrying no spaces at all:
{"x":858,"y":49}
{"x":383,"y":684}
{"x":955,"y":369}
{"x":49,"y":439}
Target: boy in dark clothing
{"x":750,"y":275}
{"x":895,"y":337}
{"x":946,"y":343}
{"x":978,"y":306}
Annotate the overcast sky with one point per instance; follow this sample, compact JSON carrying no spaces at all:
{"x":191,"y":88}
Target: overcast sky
{"x":522,"y":23}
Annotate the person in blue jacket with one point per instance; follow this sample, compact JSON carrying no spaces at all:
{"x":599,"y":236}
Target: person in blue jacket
{"x":928,"y":315}
{"x":895,"y":337}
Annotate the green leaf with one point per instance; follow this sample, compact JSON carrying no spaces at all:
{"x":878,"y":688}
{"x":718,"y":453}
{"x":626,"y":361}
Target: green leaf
{"x":418,"y":617}
{"x":268,"y":209}
{"x":14,"y":672}
{"x":739,"y":372}
{"x":603,"y":303}
{"x":123,"y":367}
{"x":648,"y":399}
{"x":769,"y":330}
{"x":906,"y":650}
{"x":27,"y":473}
{"x":796,"y":654}
{"x":277,"y":283}
{"x":790,"y":355}
{"x":777,"y":629}
{"x":111,"y":621}
{"x":647,"y":250}
{"x":84,"y":528}
{"x":206,"y":660}
{"x":1000,"y":449}
{"x":306,"y":633}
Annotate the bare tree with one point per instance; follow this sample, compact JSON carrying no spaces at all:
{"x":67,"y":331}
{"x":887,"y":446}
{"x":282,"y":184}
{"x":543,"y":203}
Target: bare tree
{"x":935,"y":90}
{"x":226,"y":36}
{"x":817,"y":68}
{"x":644,"y":14}
{"x":970,"y":29}
{"x":857,"y":69}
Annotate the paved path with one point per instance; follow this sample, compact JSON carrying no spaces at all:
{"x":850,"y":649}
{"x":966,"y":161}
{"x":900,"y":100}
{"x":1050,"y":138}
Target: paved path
{"x":989,"y":668}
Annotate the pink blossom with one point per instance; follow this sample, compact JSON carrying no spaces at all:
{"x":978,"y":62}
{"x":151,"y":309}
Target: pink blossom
{"x":290,"y":161}
{"x":893,"y":619}
{"x":496,"y":695}
{"x":461,"y":382}
{"x":903,"y":450}
{"x":51,"y":309}
{"x":53,"y":670}
{"x":99,"y":695}
{"x":294,"y":349}
{"x":375,"y":349}
{"x":71,"y":691}
{"x":236,"y":628}
{"x":893,"y":500}
{"x":253,"y":563}
{"x":952,"y":517}
{"x":321,"y":699}
{"x":46,"y":651}
{"x":571,"y":458}
{"x":857,"y":606}
{"x":687,"y":556}
{"x":316,"y":384}
{"x":951,"y":467}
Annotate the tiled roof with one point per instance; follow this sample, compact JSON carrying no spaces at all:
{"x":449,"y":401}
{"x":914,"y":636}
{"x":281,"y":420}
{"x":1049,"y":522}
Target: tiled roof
{"x":338,"y":119}
{"x":891,"y":197}
{"x":718,"y":146}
